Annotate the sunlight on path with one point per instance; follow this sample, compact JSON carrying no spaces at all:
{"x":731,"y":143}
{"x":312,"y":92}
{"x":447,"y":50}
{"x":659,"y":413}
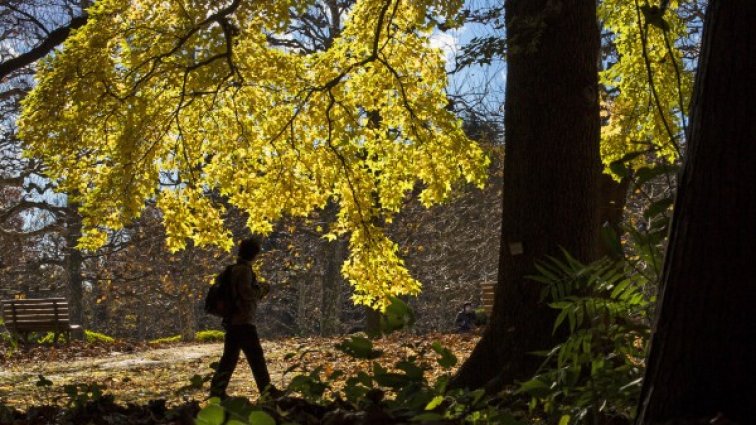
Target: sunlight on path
{"x":165,"y":373}
{"x":158,"y":373}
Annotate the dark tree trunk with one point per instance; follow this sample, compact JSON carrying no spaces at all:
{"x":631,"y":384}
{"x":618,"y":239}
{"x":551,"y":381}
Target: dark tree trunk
{"x":372,"y":321}
{"x":187,"y":318}
{"x":141,"y":321}
{"x":330,"y":286}
{"x":551,"y":176}
{"x":73,"y":261}
{"x":332,"y":255}
{"x":612,"y":200}
{"x":185,"y":298}
{"x":703,"y":351}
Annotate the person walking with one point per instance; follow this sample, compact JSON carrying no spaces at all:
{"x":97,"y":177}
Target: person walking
{"x":241,"y":332}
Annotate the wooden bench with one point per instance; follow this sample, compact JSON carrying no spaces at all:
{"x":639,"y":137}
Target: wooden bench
{"x":487,"y":296}
{"x":38,"y":315}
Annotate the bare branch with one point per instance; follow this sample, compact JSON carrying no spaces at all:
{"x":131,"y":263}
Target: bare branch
{"x":54,"y":38}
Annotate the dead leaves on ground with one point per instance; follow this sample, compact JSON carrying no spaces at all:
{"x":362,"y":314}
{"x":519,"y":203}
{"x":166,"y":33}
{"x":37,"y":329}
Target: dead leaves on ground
{"x":65,"y":351}
{"x":134,"y":373}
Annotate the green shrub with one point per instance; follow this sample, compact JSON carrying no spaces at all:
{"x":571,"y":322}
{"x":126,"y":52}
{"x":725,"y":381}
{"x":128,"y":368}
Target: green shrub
{"x":481,"y":317}
{"x":7,"y":340}
{"x":209,"y":335}
{"x":597,"y":371}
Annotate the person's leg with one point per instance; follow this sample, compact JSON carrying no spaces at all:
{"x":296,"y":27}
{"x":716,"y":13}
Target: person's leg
{"x":250,"y":344}
{"x":227,"y":363}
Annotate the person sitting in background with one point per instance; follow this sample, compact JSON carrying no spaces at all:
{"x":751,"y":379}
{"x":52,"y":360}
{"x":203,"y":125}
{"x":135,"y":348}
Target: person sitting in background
{"x":465,"y":320}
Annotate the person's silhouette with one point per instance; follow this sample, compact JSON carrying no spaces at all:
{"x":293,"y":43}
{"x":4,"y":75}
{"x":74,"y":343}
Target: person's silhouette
{"x":241,"y":332}
{"x":465,"y":319}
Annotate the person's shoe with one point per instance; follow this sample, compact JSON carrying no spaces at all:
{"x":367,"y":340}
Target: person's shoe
{"x":272,"y":392}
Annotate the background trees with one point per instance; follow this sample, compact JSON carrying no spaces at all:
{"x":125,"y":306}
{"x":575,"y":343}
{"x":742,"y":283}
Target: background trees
{"x":38,"y":229}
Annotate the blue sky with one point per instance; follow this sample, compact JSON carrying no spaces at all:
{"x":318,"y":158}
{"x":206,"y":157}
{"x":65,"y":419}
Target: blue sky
{"x":483,"y":85}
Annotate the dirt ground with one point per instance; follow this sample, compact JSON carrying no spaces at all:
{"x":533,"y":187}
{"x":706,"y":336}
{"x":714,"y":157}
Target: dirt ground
{"x":166,"y":373}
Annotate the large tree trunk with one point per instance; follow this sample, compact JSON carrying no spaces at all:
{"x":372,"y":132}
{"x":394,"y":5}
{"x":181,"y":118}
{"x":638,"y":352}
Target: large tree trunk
{"x":551,"y":176}
{"x":703,"y":351}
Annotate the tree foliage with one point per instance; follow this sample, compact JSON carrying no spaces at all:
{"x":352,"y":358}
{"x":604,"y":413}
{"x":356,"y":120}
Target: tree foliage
{"x":649,"y":86}
{"x":189,"y":104}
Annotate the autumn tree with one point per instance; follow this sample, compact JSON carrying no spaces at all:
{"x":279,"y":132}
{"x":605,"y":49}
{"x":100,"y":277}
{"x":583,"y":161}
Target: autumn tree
{"x":208,"y":101}
{"x":551,"y":172}
{"x":701,"y":362}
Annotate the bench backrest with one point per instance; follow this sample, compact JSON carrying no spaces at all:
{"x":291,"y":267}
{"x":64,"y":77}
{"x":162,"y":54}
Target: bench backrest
{"x":35,"y":313}
{"x":487,"y":296}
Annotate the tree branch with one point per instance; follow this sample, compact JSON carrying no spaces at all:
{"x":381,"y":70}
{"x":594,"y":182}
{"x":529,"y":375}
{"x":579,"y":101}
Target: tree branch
{"x":55,"y":37}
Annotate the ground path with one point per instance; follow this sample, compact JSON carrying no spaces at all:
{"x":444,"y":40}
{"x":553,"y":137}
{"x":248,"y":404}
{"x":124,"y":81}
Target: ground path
{"x":157,"y":373}
{"x":166,"y":372}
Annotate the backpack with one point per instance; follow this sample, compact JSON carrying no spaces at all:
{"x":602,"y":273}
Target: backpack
{"x":218,"y":301}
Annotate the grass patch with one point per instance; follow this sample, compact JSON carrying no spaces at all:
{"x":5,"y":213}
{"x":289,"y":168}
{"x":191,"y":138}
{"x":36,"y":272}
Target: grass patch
{"x":166,"y":340}
{"x":92,"y":336}
{"x":209,"y":335}
{"x":89,"y":336}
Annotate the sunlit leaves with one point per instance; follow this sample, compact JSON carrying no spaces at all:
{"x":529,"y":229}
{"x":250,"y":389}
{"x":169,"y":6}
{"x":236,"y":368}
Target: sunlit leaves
{"x":649,"y":83}
{"x":187,"y":104}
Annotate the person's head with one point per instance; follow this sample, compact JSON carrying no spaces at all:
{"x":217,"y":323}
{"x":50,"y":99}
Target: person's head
{"x":249,"y":248}
{"x":466,"y":307}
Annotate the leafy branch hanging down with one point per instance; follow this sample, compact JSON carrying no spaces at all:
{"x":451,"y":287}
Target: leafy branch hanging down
{"x":172,"y":101}
{"x":650,"y":86}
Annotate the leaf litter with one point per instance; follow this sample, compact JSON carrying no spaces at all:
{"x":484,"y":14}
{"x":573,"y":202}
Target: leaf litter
{"x":177,"y":374}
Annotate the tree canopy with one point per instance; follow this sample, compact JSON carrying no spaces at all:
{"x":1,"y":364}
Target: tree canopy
{"x":189,"y":104}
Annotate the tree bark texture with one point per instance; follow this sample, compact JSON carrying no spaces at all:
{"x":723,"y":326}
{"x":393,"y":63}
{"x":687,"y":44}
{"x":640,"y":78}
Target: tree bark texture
{"x":186,"y":299}
{"x":73,"y":262}
{"x":703,"y":351}
{"x":551,"y":177}
{"x":331,"y":287}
